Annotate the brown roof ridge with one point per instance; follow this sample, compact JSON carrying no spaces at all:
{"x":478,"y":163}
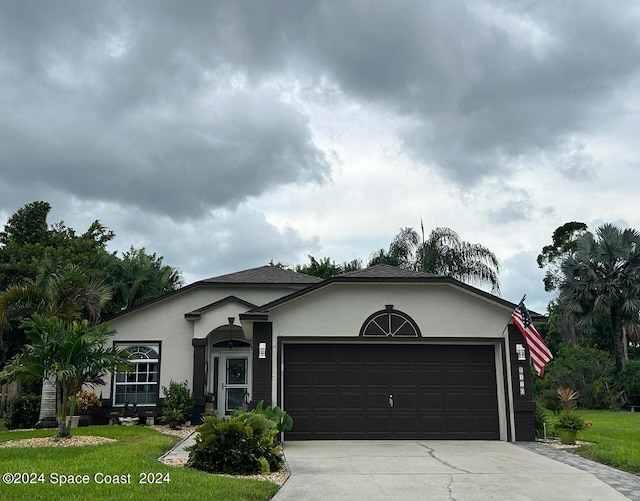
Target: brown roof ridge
{"x":266,"y":274}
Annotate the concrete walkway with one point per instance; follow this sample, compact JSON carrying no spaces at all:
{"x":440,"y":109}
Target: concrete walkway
{"x":434,"y":470}
{"x":178,"y":452}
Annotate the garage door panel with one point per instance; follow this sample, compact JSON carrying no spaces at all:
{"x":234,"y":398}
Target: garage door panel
{"x":484,"y":378}
{"x":342,"y":391}
{"x":376,"y":399}
{"x":457,"y":401}
{"x":432,"y":401}
{"x":349,"y":401}
{"x":455,"y":377}
{"x":325,"y":376}
{"x":429,"y":377}
{"x":299,"y":376}
{"x":481,"y":401}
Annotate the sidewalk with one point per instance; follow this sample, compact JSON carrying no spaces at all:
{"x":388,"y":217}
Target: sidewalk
{"x":178,"y":455}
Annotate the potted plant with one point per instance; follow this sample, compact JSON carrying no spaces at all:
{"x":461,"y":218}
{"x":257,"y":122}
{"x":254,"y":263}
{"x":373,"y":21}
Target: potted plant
{"x":86,"y":402}
{"x":208,"y":403}
{"x":568,"y":422}
{"x":172,"y":418}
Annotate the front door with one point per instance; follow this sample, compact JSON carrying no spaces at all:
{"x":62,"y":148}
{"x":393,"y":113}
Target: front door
{"x":234,"y":383}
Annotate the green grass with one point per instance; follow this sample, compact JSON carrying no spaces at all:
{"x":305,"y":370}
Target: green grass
{"x":135,"y":453}
{"x":616,"y":439}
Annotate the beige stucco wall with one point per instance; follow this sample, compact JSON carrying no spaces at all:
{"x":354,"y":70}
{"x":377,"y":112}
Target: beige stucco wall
{"x":164,"y":321}
{"x":440,"y":310}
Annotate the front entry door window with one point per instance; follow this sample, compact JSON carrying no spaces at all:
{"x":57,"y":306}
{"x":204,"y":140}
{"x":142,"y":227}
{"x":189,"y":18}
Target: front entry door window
{"x":235,"y":381}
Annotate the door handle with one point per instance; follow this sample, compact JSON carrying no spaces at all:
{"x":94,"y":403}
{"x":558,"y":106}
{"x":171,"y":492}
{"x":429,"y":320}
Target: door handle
{"x":390,"y":400}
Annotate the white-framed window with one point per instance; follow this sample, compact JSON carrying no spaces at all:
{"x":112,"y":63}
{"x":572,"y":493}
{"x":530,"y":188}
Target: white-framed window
{"x":140,"y":385}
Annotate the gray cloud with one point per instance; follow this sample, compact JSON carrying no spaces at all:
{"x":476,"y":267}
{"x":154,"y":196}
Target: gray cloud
{"x":164,"y":113}
{"x":146,"y":98}
{"x":114,"y":107}
{"x":520,"y":275}
{"x":221,"y":242}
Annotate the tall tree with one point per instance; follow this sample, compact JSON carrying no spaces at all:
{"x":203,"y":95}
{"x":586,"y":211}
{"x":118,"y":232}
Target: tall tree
{"x":563,"y":243}
{"x":27,"y":240}
{"x":68,"y":356}
{"x":442,"y":253}
{"x":139,"y":277}
{"x":28,"y":225}
{"x":66,"y":293}
{"x":602,"y":280}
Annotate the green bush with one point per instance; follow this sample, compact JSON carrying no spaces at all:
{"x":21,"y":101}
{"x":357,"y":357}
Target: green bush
{"x":22,"y":412}
{"x":172,"y":418}
{"x":283,"y":421}
{"x":569,"y":419}
{"x":178,"y":397}
{"x":540,"y":417}
{"x":243,"y":445}
{"x":588,"y":371}
{"x":630,"y":381}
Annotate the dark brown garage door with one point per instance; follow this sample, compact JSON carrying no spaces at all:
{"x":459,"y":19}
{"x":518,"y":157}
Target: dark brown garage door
{"x":374,"y":391}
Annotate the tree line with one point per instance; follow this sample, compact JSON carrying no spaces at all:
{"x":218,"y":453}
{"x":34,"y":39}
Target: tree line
{"x":47,"y":267}
{"x":442,"y":253}
{"x":594,"y":319}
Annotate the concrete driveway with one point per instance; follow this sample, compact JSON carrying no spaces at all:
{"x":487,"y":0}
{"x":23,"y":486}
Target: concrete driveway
{"x":432,"y":470}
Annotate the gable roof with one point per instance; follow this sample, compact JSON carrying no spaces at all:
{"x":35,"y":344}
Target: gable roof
{"x":386,"y":271}
{"x":382,"y":273}
{"x":264,"y":275}
{"x":197,"y":313}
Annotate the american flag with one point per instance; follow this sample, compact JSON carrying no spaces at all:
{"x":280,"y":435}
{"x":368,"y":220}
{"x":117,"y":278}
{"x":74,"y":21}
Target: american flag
{"x":540,"y":354}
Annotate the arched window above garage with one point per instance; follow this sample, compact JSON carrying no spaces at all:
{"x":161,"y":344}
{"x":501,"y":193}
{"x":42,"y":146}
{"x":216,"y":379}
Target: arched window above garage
{"x":389,"y":323}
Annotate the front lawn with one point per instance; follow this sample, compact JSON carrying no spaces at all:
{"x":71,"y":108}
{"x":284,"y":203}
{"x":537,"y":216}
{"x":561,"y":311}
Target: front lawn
{"x":616,"y":439}
{"x":132,"y":460}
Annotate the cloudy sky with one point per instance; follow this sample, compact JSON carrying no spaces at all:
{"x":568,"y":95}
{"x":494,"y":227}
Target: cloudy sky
{"x":222,"y":135}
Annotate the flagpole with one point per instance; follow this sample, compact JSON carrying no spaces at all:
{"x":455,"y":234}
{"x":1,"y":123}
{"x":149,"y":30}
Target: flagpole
{"x":506,"y":326}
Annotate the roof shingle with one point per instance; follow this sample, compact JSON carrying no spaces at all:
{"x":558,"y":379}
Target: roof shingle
{"x":263,"y":275}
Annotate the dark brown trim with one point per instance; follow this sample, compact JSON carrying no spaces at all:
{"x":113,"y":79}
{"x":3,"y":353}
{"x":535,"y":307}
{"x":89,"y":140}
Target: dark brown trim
{"x":389,"y":340}
{"x":506,"y":370}
{"x":198,"y":381}
{"x":279,"y":373}
{"x":195,"y":314}
{"x":388,"y":311}
{"x":262,"y":372}
{"x":523,"y":405}
{"x":138,"y":342}
{"x":208,"y":285}
{"x":435,"y":280}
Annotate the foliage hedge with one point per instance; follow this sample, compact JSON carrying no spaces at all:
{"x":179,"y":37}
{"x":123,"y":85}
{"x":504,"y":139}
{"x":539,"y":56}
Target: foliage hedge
{"x":178,"y":397}
{"x":630,"y":381}
{"x":589,"y":371}
{"x":245,"y":444}
{"x":22,"y":412}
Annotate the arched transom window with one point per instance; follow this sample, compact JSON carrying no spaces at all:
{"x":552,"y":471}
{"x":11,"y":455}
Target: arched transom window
{"x":389,"y":323}
{"x":139,"y":385}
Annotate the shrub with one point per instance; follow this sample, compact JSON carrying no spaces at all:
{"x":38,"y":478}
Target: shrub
{"x":588,"y":371}
{"x":244,"y":444}
{"x":23,"y":412}
{"x":86,"y":401}
{"x":630,"y":381}
{"x":569,"y":419}
{"x":283,"y":421}
{"x":540,"y":417}
{"x":172,"y":418}
{"x":178,"y":397}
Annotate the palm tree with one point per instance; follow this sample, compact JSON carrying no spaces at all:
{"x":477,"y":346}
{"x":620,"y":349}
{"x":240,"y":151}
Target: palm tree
{"x":68,"y":355}
{"x":64,"y":292}
{"x":442,"y":253}
{"x":602,"y":280}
